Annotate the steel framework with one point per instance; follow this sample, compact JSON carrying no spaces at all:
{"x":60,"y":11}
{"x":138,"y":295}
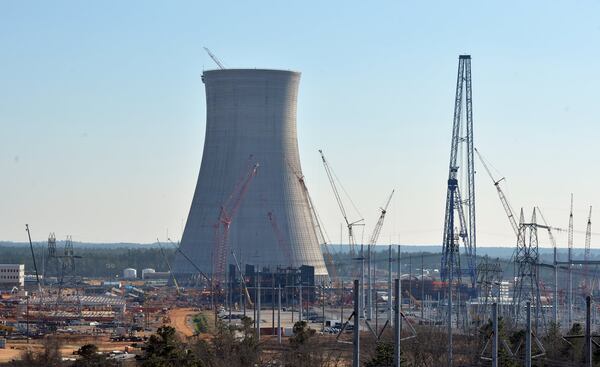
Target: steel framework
{"x":461,"y":212}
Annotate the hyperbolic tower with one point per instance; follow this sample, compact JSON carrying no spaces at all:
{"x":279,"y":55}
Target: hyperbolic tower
{"x":250,"y":130}
{"x":459,"y":224}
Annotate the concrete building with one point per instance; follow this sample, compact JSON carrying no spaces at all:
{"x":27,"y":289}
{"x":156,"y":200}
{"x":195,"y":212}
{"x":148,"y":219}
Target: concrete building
{"x":251,"y":119}
{"x":12,"y":275}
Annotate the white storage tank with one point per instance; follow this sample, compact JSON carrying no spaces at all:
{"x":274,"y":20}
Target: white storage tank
{"x":147,"y":271}
{"x":129,"y":273}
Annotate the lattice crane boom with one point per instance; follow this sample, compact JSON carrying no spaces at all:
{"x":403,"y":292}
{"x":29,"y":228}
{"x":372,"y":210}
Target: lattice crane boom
{"x":503,"y":199}
{"x":226,"y":215}
{"x":588,"y":242}
{"x":340,"y":203}
{"x":214,"y":58}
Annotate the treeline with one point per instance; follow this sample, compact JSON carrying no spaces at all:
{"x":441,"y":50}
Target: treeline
{"x":92,"y":262}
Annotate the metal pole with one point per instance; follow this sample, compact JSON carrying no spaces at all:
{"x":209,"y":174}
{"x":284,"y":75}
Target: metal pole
{"x":342,"y":301}
{"x":555,"y":314}
{"x":229,"y":297}
{"x":588,"y":331}
{"x":300,"y":309}
{"x":397,"y":323}
{"x":369,"y":284}
{"x":528,"y":337}
{"x":399,"y":271}
{"x":323,"y":302}
{"x":362,"y":281}
{"x":495,"y":335}
{"x":449,"y":316}
{"x":258,"y":307}
{"x":422,"y":288}
{"x":279,"y":314}
{"x":356,"y":331}
{"x":389,"y":290}
{"x":272,"y":303}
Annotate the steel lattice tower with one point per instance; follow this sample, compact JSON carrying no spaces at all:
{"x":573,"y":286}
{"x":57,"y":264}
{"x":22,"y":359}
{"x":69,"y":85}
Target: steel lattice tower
{"x":459,"y":224}
{"x":527,"y":287}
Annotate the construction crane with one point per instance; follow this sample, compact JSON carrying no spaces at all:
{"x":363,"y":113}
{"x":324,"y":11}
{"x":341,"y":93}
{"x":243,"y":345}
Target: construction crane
{"x":505,"y":204}
{"x":283,"y":246}
{"x":373,"y":242}
{"x":588,"y":242}
{"x":322,"y":237}
{"x":214,"y":58}
{"x":340,"y":203}
{"x":242,"y":278}
{"x":37,"y":276}
{"x":227,"y":213}
{"x":178,"y":249}
{"x":162,"y":251}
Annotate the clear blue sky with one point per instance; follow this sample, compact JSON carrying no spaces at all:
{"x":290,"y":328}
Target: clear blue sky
{"x":102,"y":110}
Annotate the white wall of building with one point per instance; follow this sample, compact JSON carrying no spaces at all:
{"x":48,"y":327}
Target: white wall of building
{"x":12,"y":275}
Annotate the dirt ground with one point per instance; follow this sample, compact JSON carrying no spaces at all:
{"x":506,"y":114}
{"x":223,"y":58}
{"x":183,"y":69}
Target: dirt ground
{"x":14,"y":349}
{"x":181,"y":320}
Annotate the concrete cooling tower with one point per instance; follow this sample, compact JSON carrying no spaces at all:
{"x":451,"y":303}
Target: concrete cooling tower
{"x":250,"y":178}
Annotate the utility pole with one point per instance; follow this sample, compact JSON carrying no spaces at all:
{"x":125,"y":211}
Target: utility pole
{"x":422,"y":287}
{"x":356,"y":331}
{"x":389,"y":290}
{"x":369,"y":292}
{"x":342,"y":302}
{"x":397,"y":323}
{"x":362,"y":281}
{"x":301,"y":308}
{"x":528,"y":337}
{"x":279,"y":314}
{"x":272,"y":303}
{"x":258,"y":306}
{"x":495,"y":335}
{"x":323,"y":303}
{"x":570,"y":266}
{"x":588,"y":331}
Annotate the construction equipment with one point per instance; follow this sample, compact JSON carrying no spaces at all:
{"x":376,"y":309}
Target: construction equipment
{"x":178,"y":249}
{"x":588,"y":242}
{"x":37,"y":276}
{"x":162,"y":251}
{"x":460,"y":212}
{"x":283,"y":247}
{"x":320,"y":230}
{"x":505,"y":204}
{"x":214,"y":58}
{"x":350,"y":225}
{"x":373,"y":242}
{"x":227,"y":213}
{"x":242,"y":279}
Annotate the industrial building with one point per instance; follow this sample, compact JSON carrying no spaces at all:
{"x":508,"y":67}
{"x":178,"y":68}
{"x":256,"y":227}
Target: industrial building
{"x":12,"y":275}
{"x":250,"y":196}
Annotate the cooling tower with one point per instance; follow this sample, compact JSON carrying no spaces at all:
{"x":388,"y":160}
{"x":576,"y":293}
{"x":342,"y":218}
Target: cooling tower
{"x":251,"y":120}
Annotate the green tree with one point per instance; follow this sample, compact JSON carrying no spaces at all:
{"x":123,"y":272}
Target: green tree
{"x":384,"y":355}
{"x":89,"y":357}
{"x":165,"y":349}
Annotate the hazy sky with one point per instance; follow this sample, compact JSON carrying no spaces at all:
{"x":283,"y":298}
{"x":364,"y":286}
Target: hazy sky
{"x":102,"y":109}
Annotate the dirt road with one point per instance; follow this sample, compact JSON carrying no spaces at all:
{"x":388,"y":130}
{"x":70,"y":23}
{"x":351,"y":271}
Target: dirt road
{"x":181,"y":320}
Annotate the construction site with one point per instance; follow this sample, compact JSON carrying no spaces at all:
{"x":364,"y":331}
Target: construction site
{"x":254,"y":254}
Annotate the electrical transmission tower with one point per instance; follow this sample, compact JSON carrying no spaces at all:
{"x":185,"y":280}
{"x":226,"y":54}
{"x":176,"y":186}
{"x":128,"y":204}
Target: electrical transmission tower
{"x":489,"y":279}
{"x":459,"y":225}
{"x":527,"y":287}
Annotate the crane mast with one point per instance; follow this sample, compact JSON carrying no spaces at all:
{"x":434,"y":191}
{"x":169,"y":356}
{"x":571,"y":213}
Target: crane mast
{"x":226,"y":215}
{"x":588,"y":242}
{"x":373,"y":242}
{"x":340,"y":203}
{"x":322,"y":237}
{"x":461,"y":211}
{"x":214,"y":58}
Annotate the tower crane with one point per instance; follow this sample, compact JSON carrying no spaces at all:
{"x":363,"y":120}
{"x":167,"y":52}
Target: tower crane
{"x":505,"y":204}
{"x":340,"y":203}
{"x":214,"y":58}
{"x":588,"y":242}
{"x":322,"y":237}
{"x":226,"y":215}
{"x":283,"y":246}
{"x":373,"y":242}
{"x":162,"y":251}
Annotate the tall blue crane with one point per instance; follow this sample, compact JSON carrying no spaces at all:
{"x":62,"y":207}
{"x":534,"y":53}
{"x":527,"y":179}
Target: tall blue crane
{"x":459,"y":224}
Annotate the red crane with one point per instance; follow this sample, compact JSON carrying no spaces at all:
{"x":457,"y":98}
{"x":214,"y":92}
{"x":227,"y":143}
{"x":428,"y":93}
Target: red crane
{"x":283,"y":246}
{"x":226,"y":215}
